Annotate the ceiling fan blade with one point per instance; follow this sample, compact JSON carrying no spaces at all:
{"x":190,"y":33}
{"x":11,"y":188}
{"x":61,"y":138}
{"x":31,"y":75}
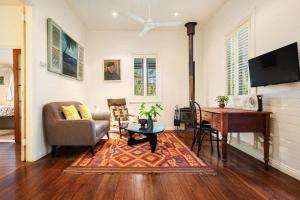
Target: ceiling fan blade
{"x":144,"y":31}
{"x":136,"y":18}
{"x":160,"y":24}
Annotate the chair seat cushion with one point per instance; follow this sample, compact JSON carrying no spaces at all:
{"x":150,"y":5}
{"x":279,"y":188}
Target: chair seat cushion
{"x":101,"y":126}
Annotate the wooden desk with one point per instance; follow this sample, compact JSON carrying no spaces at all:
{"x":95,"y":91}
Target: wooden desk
{"x":237,"y":120}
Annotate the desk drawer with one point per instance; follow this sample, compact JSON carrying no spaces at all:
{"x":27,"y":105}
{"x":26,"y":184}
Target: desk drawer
{"x":216,"y":121}
{"x":207,"y":116}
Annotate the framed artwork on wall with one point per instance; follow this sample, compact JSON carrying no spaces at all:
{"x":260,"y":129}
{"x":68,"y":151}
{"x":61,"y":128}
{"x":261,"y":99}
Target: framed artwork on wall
{"x":1,"y":80}
{"x":65,"y":55}
{"x":112,"y":70}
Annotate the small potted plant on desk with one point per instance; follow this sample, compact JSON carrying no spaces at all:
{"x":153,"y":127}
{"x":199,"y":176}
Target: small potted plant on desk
{"x":222,"y":100}
{"x":150,"y":114}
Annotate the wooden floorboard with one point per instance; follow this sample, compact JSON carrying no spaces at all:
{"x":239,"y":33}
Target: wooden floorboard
{"x":243,"y":177}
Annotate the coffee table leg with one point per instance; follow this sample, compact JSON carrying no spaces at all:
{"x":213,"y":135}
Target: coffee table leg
{"x":130,"y":138}
{"x":153,"y":142}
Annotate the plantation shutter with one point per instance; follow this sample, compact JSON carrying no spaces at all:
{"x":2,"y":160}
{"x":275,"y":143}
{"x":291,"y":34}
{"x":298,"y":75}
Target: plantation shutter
{"x":54,"y":47}
{"x":230,"y":66}
{"x":243,"y":57}
{"x":237,"y":56}
{"x":80,"y":62}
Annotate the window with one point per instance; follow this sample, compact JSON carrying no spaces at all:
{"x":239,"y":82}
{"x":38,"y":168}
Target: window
{"x":145,"y":76}
{"x":237,"y":56}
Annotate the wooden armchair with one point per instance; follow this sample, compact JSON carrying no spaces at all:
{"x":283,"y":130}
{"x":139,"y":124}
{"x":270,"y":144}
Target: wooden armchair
{"x":119,"y":114}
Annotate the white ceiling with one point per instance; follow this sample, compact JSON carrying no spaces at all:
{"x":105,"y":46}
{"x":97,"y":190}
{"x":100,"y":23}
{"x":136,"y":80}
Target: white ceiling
{"x":97,"y":14}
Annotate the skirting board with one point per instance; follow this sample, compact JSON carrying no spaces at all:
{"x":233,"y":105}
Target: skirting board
{"x":248,"y":149}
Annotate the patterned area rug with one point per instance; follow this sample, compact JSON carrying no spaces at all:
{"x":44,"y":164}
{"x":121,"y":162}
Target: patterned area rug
{"x":114,"y":155}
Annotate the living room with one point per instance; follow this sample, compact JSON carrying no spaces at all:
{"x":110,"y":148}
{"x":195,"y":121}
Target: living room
{"x":109,"y":33}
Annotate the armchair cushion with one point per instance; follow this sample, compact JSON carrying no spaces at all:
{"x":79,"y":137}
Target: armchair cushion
{"x":119,"y":112}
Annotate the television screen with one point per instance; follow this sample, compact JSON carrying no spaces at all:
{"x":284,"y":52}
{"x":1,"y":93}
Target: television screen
{"x":279,"y":66}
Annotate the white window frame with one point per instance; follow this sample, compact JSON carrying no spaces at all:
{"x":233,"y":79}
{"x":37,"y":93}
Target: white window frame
{"x":234,"y":35}
{"x":145,"y":98}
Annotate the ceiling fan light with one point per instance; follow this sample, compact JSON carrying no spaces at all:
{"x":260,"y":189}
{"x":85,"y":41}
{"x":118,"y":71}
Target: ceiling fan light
{"x":114,"y":14}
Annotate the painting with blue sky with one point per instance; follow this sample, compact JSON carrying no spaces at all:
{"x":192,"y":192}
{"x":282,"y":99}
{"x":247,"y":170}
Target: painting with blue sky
{"x":70,"y":55}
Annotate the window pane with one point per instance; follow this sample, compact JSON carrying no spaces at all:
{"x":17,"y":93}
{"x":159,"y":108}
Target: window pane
{"x":138,"y":77}
{"x":151,"y":76}
{"x":230,"y":66}
{"x":243,"y":57}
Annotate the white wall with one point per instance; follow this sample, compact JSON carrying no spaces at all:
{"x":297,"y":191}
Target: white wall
{"x":6,"y":71}
{"x":43,"y":86}
{"x":171,"y":47}
{"x":276,"y":24}
{"x":11,"y":26}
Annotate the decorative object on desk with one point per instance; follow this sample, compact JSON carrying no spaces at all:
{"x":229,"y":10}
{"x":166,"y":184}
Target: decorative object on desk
{"x":150,"y":114}
{"x":1,"y":80}
{"x":222,"y":100}
{"x":143,"y":123}
{"x":259,"y":102}
{"x":65,"y":55}
{"x":112,"y":70}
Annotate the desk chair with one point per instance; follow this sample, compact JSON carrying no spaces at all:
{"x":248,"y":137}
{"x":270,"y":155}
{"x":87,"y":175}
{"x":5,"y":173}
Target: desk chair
{"x":202,"y":128}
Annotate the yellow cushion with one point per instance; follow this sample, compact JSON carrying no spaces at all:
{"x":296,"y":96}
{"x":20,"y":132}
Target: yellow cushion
{"x":71,"y":112}
{"x":85,"y":112}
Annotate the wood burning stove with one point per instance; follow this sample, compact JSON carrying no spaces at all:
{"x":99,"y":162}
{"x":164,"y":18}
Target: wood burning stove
{"x":186,"y":115}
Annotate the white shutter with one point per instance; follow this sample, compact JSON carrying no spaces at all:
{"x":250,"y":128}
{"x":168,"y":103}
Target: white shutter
{"x":230,"y":69}
{"x":54,"y":47}
{"x":243,"y":57}
{"x":237,"y":56}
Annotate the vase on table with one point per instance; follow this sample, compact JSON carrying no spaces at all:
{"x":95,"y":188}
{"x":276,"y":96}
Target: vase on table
{"x":150,"y":123}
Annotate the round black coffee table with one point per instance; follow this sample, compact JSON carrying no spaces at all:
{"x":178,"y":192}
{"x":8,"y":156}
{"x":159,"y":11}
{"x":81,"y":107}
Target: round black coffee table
{"x":151,"y":135}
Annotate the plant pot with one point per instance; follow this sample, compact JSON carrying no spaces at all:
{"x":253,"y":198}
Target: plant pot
{"x":221,"y":105}
{"x":143,"y":123}
{"x":149,"y":124}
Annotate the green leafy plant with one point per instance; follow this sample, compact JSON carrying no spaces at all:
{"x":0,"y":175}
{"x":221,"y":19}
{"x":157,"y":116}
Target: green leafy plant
{"x":153,"y":111}
{"x":222,"y":99}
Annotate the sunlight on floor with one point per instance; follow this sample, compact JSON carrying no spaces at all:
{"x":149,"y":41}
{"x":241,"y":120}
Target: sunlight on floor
{"x":7,"y":136}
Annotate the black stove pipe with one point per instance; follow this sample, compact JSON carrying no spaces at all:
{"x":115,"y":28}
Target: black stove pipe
{"x":191,"y":32}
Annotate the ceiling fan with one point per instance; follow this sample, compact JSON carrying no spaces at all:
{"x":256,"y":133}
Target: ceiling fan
{"x":149,"y":24}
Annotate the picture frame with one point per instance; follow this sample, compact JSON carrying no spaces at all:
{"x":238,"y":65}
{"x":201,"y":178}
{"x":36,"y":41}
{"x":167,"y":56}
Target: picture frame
{"x":65,"y":55}
{"x":1,"y":80}
{"x":112,"y":70}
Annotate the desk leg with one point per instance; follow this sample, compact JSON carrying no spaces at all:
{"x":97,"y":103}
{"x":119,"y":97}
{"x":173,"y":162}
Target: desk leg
{"x":267,"y":141}
{"x":266,"y":149}
{"x":224,"y":132}
{"x":224,"y":147}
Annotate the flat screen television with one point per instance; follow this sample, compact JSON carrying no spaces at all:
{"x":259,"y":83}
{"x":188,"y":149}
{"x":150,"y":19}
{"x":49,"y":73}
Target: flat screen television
{"x":276,"y":67}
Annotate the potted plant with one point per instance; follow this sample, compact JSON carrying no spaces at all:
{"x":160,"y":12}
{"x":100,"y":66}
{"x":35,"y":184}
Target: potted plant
{"x":222,"y":100}
{"x":151,"y":113}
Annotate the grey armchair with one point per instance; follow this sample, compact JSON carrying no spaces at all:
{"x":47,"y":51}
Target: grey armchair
{"x":62,"y":132}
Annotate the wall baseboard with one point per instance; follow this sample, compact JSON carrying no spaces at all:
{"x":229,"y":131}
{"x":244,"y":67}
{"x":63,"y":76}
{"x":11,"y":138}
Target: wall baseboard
{"x":258,"y":154}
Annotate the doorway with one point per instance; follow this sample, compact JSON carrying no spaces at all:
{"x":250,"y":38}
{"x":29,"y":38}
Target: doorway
{"x":9,"y":95}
